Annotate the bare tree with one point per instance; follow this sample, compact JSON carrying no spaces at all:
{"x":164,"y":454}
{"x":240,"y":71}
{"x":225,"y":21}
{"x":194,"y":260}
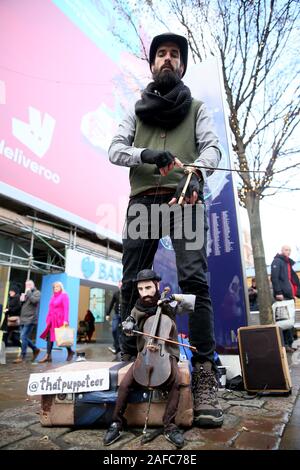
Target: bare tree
{"x":257,"y":44}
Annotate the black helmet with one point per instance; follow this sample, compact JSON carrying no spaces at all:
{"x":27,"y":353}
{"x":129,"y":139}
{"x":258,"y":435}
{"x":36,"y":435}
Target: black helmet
{"x":170,"y":37}
{"x":147,"y":275}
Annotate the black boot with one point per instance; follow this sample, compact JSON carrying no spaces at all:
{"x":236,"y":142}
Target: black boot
{"x":113,"y":433}
{"x":207,"y":410}
{"x":174,"y":435}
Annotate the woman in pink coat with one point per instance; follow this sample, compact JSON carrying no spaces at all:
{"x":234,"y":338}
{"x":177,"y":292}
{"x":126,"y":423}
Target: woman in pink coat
{"x":58,"y":315}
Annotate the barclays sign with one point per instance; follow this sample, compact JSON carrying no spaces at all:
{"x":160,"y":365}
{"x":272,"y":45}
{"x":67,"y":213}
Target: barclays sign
{"x":93,"y":268}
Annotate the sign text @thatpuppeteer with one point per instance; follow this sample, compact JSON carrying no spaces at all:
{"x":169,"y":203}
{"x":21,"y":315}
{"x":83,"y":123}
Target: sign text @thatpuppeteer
{"x":68,"y":382}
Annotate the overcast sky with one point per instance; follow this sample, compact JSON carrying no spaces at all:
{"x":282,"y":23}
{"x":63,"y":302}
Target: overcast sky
{"x":280,"y":216}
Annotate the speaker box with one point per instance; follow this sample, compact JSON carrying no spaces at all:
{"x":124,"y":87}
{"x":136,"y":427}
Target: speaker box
{"x":263,"y":359}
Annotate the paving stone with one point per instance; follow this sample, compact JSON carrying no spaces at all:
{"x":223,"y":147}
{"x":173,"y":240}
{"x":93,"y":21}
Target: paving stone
{"x":33,"y":443}
{"x":19,"y":418}
{"x":230,"y":421}
{"x":126,"y":438}
{"x":206,"y":446}
{"x":249,"y":403}
{"x":279,"y":405}
{"x":218,"y":435}
{"x":224,"y":405}
{"x":93,"y":439}
{"x":257,"y":441}
{"x":88,"y":438}
{"x":248,"y":412}
{"x":265,"y":426}
{"x":160,"y":443}
{"x":52,"y":433}
{"x":291,"y":438}
{"x":193,"y":434}
{"x":11,"y":435}
{"x":201,"y":446}
{"x":77,"y":448}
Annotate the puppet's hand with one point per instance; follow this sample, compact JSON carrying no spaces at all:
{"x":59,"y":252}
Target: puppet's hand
{"x":128,"y":325}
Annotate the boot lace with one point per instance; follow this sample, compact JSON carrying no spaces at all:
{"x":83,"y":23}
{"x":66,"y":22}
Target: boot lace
{"x":204,"y":387}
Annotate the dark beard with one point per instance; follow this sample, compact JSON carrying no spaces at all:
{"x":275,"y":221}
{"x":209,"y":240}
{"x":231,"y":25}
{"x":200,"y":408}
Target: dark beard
{"x":166,"y":80}
{"x":150,"y":301}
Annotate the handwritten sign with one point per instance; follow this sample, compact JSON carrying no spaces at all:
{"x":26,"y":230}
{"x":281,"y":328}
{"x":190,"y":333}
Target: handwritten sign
{"x":53,"y":383}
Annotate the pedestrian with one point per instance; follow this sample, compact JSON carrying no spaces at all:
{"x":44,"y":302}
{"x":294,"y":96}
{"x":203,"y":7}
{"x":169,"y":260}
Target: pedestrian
{"x":116,"y":304}
{"x":145,"y":307}
{"x":58,"y":316}
{"x":28,"y":319}
{"x":11,"y":323}
{"x":167,"y":123}
{"x":89,"y":319}
{"x":252,"y":293}
{"x":286,"y":286}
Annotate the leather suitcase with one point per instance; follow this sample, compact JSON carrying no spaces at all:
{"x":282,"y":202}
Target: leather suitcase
{"x":95,"y":408}
{"x":263,"y":360}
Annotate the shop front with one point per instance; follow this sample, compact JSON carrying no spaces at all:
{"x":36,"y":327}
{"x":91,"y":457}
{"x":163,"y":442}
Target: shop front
{"x":90,"y":282}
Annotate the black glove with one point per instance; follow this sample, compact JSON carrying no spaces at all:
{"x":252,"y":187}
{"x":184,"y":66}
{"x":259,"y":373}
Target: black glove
{"x":160,"y":158}
{"x":194,"y":185}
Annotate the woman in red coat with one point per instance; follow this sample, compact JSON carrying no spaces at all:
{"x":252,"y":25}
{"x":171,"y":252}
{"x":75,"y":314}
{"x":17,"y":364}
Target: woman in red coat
{"x":58,"y":315}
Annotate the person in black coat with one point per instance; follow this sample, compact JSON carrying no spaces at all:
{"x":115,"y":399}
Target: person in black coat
{"x":13,"y":309}
{"x":116,"y":303}
{"x":286,"y":285}
{"x":90,"y":320}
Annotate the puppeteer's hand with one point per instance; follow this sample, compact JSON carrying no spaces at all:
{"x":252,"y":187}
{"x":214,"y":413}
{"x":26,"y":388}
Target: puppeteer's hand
{"x":128,"y":325}
{"x":191,"y":195}
{"x":163,"y":159}
{"x":107,"y":317}
{"x":66,"y":323}
{"x":166,"y":300}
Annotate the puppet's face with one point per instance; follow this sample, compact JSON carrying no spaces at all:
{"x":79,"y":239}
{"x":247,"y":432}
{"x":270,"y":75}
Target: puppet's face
{"x":147,"y":290}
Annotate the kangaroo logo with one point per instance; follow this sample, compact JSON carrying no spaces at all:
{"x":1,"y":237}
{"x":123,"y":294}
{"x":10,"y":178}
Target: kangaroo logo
{"x":37,"y":134}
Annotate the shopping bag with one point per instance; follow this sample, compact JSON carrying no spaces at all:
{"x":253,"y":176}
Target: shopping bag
{"x":13,"y":321}
{"x":64,"y":336}
{"x":284,"y":313}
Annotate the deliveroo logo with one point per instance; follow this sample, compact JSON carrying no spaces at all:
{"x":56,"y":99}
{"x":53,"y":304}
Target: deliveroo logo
{"x":87,"y":267}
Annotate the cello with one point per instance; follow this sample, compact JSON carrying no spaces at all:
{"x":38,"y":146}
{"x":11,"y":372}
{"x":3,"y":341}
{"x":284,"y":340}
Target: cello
{"x":152,"y":367}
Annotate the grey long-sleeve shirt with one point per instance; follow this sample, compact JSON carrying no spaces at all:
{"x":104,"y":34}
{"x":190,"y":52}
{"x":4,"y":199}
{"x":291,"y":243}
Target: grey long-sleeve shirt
{"x":122,"y":152}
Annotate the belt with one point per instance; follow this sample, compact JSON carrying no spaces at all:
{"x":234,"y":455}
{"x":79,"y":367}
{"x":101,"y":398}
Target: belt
{"x":156,"y":191}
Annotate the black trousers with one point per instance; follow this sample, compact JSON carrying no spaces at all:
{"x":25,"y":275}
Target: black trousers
{"x":191,"y":265}
{"x":13,"y":335}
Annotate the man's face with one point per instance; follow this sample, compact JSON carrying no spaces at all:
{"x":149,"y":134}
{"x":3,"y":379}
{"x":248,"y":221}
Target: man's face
{"x":167,"y":61}
{"x":147,"y":290}
{"x":29,"y":285}
{"x":286,"y":250}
